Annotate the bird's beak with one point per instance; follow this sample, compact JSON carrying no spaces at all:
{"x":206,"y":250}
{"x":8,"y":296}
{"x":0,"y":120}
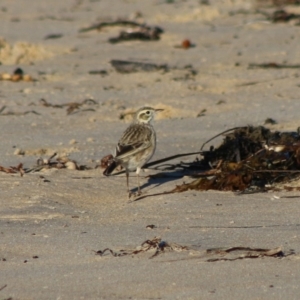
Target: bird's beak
{"x":159,"y":109}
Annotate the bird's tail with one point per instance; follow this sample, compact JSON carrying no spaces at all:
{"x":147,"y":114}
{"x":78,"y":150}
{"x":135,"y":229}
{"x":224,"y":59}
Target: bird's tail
{"x":111,"y":166}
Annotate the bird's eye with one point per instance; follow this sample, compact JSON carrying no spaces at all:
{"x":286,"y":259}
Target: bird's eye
{"x":148,"y":112}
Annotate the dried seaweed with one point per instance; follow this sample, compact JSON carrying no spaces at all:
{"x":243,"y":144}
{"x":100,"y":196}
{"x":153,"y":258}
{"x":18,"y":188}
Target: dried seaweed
{"x":156,"y":245}
{"x":124,"y":66}
{"x":118,"y":22}
{"x":53,"y":36}
{"x":98,"y":72}
{"x":72,"y":107}
{"x":12,"y":113}
{"x":279,"y":3}
{"x":235,"y":253}
{"x":249,"y":158}
{"x":105,"y":161}
{"x":239,"y":143}
{"x":238,"y":253}
{"x":13,"y":170}
{"x":138,"y":31}
{"x":270,"y":121}
{"x":273,"y":65}
{"x":202,"y":113}
{"x":46,"y":163}
{"x":142,"y":33}
{"x":129,"y":66}
{"x":281,"y":15}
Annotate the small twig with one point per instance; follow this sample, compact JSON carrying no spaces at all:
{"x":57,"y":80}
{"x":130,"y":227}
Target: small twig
{"x":78,"y":111}
{"x":170,"y":158}
{"x":276,"y":171}
{"x":52,"y":156}
{"x":273,"y":65}
{"x":259,"y":82}
{"x":98,"y":26}
{"x":3,"y":287}
{"x":2,"y":108}
{"x":101,"y":252}
{"x":11,"y":113}
{"x":234,"y":128}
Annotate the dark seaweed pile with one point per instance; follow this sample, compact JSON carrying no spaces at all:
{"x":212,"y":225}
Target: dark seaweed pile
{"x":249,"y":159}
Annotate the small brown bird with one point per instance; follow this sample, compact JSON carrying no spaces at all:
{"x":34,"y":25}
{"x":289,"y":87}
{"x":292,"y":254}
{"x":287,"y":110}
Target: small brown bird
{"x":136,"y":146}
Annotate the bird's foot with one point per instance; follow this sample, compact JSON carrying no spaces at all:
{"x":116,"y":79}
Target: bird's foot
{"x":134,"y":194}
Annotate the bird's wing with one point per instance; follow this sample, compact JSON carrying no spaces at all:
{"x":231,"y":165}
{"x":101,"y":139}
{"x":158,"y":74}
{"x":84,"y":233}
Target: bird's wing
{"x":135,"y":139}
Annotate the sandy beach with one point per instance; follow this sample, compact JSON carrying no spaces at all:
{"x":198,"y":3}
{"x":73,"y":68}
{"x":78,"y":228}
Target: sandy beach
{"x":72,"y":101}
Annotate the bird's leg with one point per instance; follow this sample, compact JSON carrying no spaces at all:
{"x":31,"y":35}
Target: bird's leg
{"x":138,"y":181}
{"x":127,"y":182}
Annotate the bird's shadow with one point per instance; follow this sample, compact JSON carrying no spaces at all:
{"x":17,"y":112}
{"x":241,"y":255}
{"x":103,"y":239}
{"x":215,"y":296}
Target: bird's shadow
{"x":155,"y":181}
{"x":167,"y":173}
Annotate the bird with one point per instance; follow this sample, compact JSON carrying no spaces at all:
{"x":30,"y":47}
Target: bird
{"x":136,"y":146}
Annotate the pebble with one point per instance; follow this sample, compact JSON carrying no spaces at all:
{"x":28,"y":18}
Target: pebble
{"x":19,"y":151}
{"x":73,"y":142}
{"x":70,"y":165}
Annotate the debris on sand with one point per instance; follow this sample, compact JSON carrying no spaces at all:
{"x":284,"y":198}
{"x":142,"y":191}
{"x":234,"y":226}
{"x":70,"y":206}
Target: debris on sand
{"x":128,"y":66}
{"x":72,"y":107}
{"x":250,"y":158}
{"x":59,"y":163}
{"x":237,"y":253}
{"x":13,"y":170}
{"x":53,"y":36}
{"x":156,"y":245}
{"x":142,"y":33}
{"x":46,"y":163}
{"x":137,"y":31}
{"x":105,"y":161}
{"x":125,"y":66}
{"x":185,"y":44}
{"x":281,"y":15}
{"x":273,"y":65}
{"x":12,"y":113}
{"x":18,"y":75}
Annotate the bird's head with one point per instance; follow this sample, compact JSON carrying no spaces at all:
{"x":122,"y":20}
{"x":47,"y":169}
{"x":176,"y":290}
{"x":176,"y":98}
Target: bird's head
{"x":146,"y":114}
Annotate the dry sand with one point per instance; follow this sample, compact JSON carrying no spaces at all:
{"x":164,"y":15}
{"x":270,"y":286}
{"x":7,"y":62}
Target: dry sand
{"x":61,"y":216}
